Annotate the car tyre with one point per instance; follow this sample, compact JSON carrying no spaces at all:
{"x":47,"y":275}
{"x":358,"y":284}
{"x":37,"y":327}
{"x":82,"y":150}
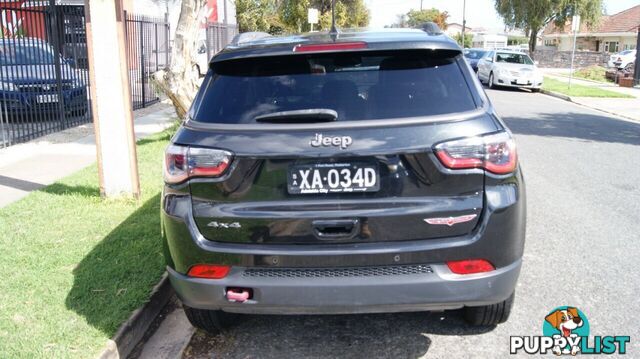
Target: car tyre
{"x":211,"y":321}
{"x":489,"y":314}
{"x":490,"y":82}
{"x":535,"y":90}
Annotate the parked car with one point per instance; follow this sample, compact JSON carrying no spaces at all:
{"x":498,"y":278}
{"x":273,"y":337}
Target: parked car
{"x":365,"y":174}
{"x":623,"y":59}
{"x":510,"y":69}
{"x":28,"y":82}
{"x":473,"y":56}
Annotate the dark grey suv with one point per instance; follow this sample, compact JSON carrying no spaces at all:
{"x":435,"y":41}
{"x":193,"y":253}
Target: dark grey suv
{"x":365,"y":172}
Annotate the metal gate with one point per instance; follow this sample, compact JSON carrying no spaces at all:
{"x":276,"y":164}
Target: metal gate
{"x":148,"y":51}
{"x":43,"y":69}
{"x":218,"y":36}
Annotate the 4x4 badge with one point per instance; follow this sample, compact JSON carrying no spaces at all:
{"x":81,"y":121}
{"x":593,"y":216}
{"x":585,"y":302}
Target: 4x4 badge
{"x":450,"y":221}
{"x":215,"y":224}
{"x":341,"y":141}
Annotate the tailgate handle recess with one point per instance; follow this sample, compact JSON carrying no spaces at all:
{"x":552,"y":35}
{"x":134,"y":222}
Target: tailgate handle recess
{"x":337,"y":228}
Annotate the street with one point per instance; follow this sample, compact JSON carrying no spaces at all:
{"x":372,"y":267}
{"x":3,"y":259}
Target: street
{"x":583,"y":189}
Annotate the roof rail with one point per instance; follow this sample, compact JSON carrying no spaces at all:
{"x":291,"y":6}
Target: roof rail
{"x":431,"y":28}
{"x":248,"y":37}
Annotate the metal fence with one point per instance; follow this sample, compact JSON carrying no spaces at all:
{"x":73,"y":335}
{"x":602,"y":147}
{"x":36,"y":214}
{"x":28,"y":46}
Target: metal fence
{"x":218,"y":35}
{"x":44,"y":82}
{"x":148,"y":51}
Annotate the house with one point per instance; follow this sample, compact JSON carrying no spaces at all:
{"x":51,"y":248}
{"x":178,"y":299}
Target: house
{"x":489,"y":40}
{"x":454,"y":29}
{"x":614,"y":33}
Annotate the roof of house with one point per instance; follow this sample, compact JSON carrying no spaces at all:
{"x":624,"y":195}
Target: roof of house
{"x":624,"y":21}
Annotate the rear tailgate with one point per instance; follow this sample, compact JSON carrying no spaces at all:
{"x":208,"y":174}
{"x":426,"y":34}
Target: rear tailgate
{"x":341,"y":182}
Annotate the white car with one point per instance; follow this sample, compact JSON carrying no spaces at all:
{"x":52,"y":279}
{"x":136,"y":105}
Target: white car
{"x":510,"y":69}
{"x":622,"y":59}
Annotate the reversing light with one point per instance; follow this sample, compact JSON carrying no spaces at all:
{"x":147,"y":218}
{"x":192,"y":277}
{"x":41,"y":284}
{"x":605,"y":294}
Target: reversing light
{"x":209,"y":271}
{"x":470,"y":266}
{"x":183,"y":162}
{"x":495,"y":153}
{"x":336,"y":46}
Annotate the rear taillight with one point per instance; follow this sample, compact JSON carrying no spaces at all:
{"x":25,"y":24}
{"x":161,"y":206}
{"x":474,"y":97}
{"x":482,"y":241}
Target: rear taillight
{"x":337,"y":46}
{"x":495,"y":153}
{"x":470,"y":266}
{"x":183,"y":162}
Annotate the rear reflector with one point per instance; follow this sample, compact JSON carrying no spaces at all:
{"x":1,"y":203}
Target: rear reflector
{"x":470,"y":266}
{"x":209,"y":271}
{"x":338,"y":46}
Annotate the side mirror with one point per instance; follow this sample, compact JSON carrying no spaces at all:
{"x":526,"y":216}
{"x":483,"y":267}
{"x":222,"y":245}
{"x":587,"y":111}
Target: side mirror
{"x":202,"y":50}
{"x":489,"y":59}
{"x":536,"y":63}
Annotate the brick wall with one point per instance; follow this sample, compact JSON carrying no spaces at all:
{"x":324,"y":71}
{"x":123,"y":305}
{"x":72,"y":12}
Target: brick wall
{"x":562,"y":59}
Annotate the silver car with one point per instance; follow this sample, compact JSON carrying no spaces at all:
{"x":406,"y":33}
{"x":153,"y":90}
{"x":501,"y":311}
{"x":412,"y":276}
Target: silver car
{"x":509,"y":68}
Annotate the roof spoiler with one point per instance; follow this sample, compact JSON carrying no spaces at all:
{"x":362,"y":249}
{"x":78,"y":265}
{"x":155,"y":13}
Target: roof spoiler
{"x":431,"y":28}
{"x":248,"y":37}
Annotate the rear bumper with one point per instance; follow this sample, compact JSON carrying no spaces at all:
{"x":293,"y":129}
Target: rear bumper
{"x":509,"y":81}
{"x":436,"y":290}
{"x":498,"y":238}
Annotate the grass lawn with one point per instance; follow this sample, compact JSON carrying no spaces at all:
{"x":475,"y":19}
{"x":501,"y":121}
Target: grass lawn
{"x":579,"y":90}
{"x":75,"y":266}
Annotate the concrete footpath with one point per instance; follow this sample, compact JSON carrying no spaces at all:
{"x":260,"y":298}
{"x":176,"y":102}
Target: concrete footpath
{"x":625,"y":107}
{"x":29,"y":166}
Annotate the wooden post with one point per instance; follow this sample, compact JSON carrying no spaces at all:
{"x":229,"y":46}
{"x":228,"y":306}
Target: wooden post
{"x":111,"y":99}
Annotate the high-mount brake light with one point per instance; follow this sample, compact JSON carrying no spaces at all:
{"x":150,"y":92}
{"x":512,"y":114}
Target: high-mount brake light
{"x":495,"y":153}
{"x":336,"y":46}
{"x":183,"y":162}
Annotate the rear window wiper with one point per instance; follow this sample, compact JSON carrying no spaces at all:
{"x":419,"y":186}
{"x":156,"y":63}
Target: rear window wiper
{"x":299,"y":116}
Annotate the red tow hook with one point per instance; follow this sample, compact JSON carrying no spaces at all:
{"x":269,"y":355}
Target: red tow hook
{"x":238,"y":295}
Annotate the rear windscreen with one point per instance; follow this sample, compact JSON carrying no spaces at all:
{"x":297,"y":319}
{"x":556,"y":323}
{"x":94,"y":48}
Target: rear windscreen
{"x":357,"y":86}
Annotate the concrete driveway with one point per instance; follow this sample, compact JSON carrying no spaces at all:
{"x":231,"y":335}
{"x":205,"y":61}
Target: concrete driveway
{"x":582,"y":170}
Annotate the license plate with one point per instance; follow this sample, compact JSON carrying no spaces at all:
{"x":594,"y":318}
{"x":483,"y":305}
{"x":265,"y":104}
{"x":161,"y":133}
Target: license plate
{"x":521,"y":82}
{"x":47,"y":98}
{"x":333,"y":178}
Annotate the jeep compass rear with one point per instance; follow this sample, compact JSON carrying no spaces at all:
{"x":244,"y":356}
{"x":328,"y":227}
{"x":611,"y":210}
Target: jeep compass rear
{"x":357,"y":174}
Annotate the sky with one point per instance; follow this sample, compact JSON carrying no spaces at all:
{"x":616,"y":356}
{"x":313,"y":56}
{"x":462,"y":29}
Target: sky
{"x":480,"y":13}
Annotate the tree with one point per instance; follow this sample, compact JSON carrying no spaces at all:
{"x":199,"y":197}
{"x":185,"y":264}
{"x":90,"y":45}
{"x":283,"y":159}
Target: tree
{"x":258,"y":15}
{"x":415,"y":18}
{"x":349,"y":14}
{"x":533,"y":15}
{"x":468,"y":40}
{"x":180,"y":82}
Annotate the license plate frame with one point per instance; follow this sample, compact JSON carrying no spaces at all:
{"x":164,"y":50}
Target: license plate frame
{"x":302,"y":178}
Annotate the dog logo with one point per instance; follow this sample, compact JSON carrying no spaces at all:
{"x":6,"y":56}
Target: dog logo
{"x":565,"y":331}
{"x":569,"y":323}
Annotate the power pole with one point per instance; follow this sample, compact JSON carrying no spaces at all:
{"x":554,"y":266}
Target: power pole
{"x":421,"y":5}
{"x":464,"y":20}
{"x":111,"y":99}
{"x":636,"y":68}
{"x":575,"y":26}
